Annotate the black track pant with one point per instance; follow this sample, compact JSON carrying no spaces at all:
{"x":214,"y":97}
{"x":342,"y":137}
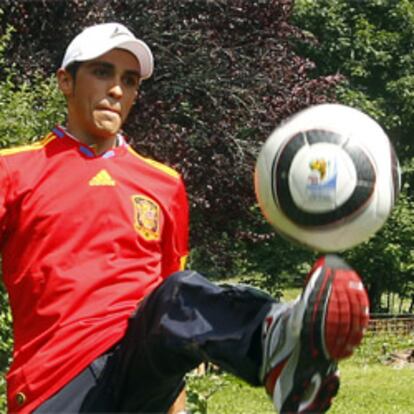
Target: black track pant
{"x":185,"y":321}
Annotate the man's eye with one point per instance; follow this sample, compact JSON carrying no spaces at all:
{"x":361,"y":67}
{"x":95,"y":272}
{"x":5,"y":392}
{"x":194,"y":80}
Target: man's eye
{"x":101,"y":72}
{"x":131,"y":81}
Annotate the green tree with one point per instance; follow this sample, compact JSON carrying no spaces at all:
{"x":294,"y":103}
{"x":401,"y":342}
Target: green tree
{"x":369,"y":43}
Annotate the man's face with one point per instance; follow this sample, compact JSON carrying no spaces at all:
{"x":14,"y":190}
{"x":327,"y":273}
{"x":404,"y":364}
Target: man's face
{"x":102,"y":94}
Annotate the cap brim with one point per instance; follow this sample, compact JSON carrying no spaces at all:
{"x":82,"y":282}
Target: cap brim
{"x":143,"y":53}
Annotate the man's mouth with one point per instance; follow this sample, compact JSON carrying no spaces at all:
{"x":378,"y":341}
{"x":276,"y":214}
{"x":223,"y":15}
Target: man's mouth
{"x":109,"y":109}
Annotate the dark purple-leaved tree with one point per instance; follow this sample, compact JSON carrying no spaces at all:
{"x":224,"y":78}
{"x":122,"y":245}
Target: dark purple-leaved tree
{"x":225,"y":76}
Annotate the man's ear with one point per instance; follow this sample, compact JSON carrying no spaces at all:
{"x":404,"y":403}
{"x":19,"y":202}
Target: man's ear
{"x":65,"y":81}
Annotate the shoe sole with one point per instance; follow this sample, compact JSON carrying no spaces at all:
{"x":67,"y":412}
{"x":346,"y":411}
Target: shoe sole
{"x":336,"y":313}
{"x":337,"y":310}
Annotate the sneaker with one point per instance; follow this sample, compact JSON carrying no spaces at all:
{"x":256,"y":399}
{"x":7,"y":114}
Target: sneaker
{"x":304,"y":340}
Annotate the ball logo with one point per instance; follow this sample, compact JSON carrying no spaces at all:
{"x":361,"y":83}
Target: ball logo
{"x":322,"y":178}
{"x":319,"y":165}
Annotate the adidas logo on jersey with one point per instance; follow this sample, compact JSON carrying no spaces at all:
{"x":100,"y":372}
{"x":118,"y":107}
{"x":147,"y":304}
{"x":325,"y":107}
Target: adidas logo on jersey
{"x":102,"y":179}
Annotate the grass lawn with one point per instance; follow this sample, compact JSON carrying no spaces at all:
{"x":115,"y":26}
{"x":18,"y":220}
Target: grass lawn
{"x":368,"y":385}
{"x":375,"y":389}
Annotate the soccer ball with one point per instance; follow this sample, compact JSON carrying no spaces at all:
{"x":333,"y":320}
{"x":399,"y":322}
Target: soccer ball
{"x":327,"y":178}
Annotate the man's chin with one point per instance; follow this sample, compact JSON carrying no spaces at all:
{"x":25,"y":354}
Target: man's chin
{"x":107,"y":123}
{"x":106,"y":131}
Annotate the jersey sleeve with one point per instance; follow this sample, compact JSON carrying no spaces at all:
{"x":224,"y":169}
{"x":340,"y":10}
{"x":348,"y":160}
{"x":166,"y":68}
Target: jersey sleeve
{"x":175,"y":234}
{"x":4,"y":191}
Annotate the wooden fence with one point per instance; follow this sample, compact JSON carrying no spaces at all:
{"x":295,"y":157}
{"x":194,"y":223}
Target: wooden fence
{"x":395,"y":324}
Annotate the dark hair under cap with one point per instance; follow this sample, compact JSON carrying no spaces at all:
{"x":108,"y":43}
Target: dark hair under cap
{"x":73,"y":68}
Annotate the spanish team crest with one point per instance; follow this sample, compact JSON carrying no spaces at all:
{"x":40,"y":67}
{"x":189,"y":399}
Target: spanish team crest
{"x":147,"y":217}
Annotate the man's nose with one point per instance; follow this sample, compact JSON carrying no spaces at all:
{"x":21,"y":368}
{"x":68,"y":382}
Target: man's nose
{"x":115,"y":90}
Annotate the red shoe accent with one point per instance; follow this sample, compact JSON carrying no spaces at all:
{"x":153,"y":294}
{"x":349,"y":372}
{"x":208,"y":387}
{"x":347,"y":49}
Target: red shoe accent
{"x":319,"y":263}
{"x":270,"y":380}
{"x":347,"y":314}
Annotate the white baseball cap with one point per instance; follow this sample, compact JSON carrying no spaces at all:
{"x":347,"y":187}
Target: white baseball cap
{"x":96,"y":40}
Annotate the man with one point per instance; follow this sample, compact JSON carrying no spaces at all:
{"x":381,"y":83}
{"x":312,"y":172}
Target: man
{"x":94,"y":243}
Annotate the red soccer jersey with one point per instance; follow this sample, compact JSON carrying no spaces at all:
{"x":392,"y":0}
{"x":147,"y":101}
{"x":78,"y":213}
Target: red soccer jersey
{"x":83,"y":238}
